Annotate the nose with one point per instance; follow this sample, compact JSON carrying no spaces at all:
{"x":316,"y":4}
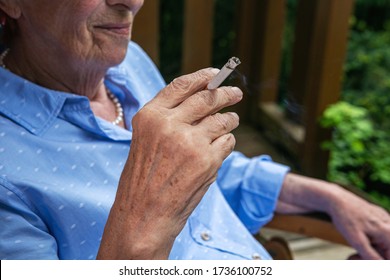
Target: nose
{"x":133,"y":5}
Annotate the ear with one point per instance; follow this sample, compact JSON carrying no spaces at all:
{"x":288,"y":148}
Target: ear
{"x":11,"y":8}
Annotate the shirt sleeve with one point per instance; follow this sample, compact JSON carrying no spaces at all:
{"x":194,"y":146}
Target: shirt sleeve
{"x":23,"y":235}
{"x":251,"y":187}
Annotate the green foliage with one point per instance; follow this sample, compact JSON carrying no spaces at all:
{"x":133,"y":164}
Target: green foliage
{"x":360,"y":150}
{"x":353,"y":131}
{"x":360,"y":154}
{"x":367,"y":78}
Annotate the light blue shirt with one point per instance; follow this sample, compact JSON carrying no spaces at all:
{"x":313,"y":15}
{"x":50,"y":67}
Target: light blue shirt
{"x":60,"y":166}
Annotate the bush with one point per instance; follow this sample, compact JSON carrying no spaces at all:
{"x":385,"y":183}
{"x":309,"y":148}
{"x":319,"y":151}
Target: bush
{"x":359,"y":150}
{"x":360,"y":154}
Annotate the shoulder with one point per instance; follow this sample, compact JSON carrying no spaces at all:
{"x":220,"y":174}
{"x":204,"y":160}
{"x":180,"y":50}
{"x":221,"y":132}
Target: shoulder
{"x":138,"y":73}
{"x":135,"y":51}
{"x":138,"y":61}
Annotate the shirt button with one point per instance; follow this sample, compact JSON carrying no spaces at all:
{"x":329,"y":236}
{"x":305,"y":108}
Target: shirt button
{"x":205,"y":236}
{"x":256,"y":256}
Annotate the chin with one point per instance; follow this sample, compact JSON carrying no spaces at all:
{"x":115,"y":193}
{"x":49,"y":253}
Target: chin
{"x":118,"y":58}
{"x":115,"y":56}
{"x":111,"y":49}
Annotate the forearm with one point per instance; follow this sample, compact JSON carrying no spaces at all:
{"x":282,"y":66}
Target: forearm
{"x":134,"y":240}
{"x":364,"y":225}
{"x":300,"y":194}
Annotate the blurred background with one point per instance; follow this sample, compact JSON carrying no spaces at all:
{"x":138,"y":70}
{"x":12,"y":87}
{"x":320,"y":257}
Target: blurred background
{"x":315,"y":73}
{"x":316,"y":82}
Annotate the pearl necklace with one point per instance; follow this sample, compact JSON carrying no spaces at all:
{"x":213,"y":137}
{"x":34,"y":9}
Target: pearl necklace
{"x":114,"y":99}
{"x":2,"y":56}
{"x":118,"y":107}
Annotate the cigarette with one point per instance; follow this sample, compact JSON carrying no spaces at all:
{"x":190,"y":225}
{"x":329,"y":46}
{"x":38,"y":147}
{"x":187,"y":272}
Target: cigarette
{"x":226,"y":70}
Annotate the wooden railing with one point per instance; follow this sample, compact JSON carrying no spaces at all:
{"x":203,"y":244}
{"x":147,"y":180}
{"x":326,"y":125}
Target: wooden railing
{"x":318,"y":55}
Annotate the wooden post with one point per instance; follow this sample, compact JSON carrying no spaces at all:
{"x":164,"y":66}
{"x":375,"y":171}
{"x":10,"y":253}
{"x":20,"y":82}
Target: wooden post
{"x":259,"y":42}
{"x":319,"y":54}
{"x":146,"y":31}
{"x":267,"y":49}
{"x":198,"y":35}
{"x":245,"y":26}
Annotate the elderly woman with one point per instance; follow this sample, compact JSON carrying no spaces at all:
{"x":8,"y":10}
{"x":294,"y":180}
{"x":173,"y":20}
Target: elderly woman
{"x":99,"y":159}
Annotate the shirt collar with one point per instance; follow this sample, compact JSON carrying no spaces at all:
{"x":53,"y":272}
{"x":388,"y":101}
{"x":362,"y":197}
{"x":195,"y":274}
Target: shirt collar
{"x":36,"y":108}
{"x":31,"y":106}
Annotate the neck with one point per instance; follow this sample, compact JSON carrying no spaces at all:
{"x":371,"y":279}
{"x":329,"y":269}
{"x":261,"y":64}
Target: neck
{"x":104,"y":104}
{"x":60,"y":75}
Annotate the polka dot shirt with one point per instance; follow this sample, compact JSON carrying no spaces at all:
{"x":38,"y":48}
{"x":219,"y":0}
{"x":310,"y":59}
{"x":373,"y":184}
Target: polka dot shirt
{"x":60,"y":166}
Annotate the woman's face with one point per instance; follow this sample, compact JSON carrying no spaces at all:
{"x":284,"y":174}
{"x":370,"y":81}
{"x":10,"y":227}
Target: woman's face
{"x":94,"y":32}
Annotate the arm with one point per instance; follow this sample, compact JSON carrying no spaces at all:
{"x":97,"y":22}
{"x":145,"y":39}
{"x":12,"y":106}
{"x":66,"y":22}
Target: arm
{"x":364,"y":225}
{"x":23,"y":233}
{"x":179,"y":143}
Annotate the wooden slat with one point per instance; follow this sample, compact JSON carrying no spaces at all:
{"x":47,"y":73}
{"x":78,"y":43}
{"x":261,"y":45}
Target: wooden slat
{"x":198,"y":35}
{"x":307,"y":225}
{"x":146,"y":31}
{"x":319,"y":53}
{"x":279,"y":130}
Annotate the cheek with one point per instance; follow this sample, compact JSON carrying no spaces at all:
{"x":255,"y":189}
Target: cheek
{"x":83,"y":8}
{"x":57,"y":17}
{"x":71,"y":21}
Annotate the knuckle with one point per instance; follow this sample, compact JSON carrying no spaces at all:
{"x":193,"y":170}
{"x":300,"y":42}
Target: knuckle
{"x":151,"y":118}
{"x":207,"y":99}
{"x":222,"y":121}
{"x":184,"y":138}
{"x":203,"y":75}
{"x":227,"y":121}
{"x":189,"y":146}
{"x":228,"y":94}
{"x":204,"y":160}
{"x":181,"y":84}
{"x":141,"y":117}
{"x":230,"y":142}
{"x":189,"y":82}
{"x":235,"y":119}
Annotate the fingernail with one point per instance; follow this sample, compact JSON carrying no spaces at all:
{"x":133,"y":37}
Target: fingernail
{"x":234,"y":114}
{"x":237,"y":91}
{"x":214,"y":70}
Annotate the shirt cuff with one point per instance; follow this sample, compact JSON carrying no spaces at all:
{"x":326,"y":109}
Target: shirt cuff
{"x":260,"y":191}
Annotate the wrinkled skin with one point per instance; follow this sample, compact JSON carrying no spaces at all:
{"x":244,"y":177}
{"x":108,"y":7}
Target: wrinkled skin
{"x":179,"y":139}
{"x":365,"y":226}
{"x":179,"y":143}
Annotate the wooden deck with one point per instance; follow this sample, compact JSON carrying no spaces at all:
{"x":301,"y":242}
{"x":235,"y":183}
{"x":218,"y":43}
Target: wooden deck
{"x":253,"y":141}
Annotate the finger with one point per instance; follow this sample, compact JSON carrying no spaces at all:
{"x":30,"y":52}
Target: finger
{"x":223,"y":146}
{"x":184,"y":86}
{"x":354,"y":257}
{"x":206,"y":102}
{"x":364,"y":248}
{"x":218,"y":124}
{"x":386,"y":254}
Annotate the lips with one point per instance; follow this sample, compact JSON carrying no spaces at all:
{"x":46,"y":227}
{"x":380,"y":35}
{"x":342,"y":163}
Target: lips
{"x":116,"y":28}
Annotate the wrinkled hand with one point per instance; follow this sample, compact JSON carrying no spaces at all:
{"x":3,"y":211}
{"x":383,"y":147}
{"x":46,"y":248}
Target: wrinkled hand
{"x":179,"y":143}
{"x":365,"y":226}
